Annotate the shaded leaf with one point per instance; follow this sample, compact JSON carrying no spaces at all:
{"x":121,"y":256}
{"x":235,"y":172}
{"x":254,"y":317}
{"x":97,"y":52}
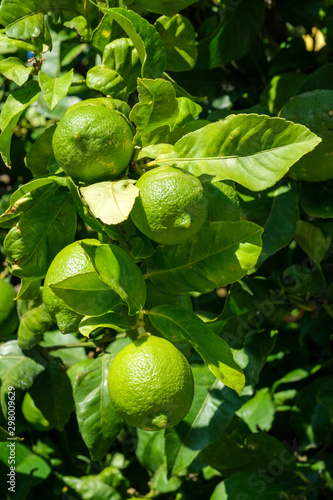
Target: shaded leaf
{"x":258,"y":412}
{"x":317,"y":198}
{"x":312,"y":240}
{"x":52,"y":393}
{"x":167,"y":7}
{"x":219,"y":254}
{"x":40,"y":153}
{"x":212,"y":409}
{"x":254,"y":150}
{"x":34,"y":321}
{"x":108,"y":81}
{"x":178,"y":325}
{"x":111,"y":202}
{"x":109,"y":320}
{"x":99,"y":423}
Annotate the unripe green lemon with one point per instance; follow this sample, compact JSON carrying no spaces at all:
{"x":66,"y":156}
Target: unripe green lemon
{"x":8,"y":313}
{"x":171,"y":206}
{"x":315,"y":111}
{"x":33,"y":415}
{"x":151,"y":384}
{"x":93,"y":143}
{"x":73,"y":260}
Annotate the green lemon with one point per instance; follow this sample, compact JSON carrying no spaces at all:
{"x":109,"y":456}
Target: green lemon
{"x":33,"y":415}
{"x":8,"y":313}
{"x":315,"y":111}
{"x":108,"y":102}
{"x":93,"y":143}
{"x":73,"y":260}
{"x":171,"y":206}
{"x":151,"y":384}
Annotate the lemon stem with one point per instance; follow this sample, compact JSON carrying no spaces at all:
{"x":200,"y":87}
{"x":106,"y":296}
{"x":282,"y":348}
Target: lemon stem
{"x":140,"y":325}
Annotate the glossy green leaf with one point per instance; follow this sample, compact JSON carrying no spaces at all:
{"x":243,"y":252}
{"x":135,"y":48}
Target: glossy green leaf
{"x":18,"y":369}
{"x":55,"y":338}
{"x":312,"y":240}
{"x":157,"y":106}
{"x":40,"y":153}
{"x":52,"y":393}
{"x":86,"y":294}
{"x":178,"y":37}
{"x":121,"y":56}
{"x":317,"y":198}
{"x":54,"y":89}
{"x":109,"y":320}
{"x":34,"y":321}
{"x":9,"y":45}
{"x":14,"y":69}
{"x":111,"y":202}
{"x":41,"y":233}
{"x":259,"y":411}
{"x":254,"y":150}
{"x":219,"y":254}
{"x":16,"y":103}
{"x":212,"y":409}
{"x":146,"y":40}
{"x":92,"y":487}
{"x":118,"y":270}
{"x":187,"y":110}
{"x":107,"y":81}
{"x":176,"y":324}
{"x":98,"y":421}
{"x":167,"y":7}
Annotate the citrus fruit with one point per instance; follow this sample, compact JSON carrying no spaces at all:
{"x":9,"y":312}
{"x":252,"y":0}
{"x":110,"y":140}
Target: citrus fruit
{"x":8,"y":313}
{"x":108,"y":102}
{"x":33,"y":415}
{"x":315,"y":111}
{"x":93,"y":143}
{"x":171,"y":206}
{"x":92,"y":296}
{"x":151,"y":384}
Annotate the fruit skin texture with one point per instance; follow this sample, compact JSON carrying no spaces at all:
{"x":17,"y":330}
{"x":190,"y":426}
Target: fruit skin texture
{"x":171,"y":206}
{"x":314,"y":110}
{"x":33,"y":415}
{"x":70,"y":261}
{"x":93,"y":143}
{"x":151,"y":384}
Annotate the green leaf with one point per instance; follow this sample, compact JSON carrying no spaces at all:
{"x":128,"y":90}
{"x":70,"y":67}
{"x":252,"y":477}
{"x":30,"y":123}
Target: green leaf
{"x":254,"y":150}
{"x":41,"y":233}
{"x":71,"y":356}
{"x":259,"y":411}
{"x":14,"y":69}
{"x":187,"y":111}
{"x":16,"y":103}
{"x":18,"y":369}
{"x":34,"y":321}
{"x":121,"y":56}
{"x":178,"y":37}
{"x":86,"y":294}
{"x":118,"y":270}
{"x":311,"y":239}
{"x":107,"y":81}
{"x":109,"y":320}
{"x":111,"y":202}
{"x":212,"y":409}
{"x":282,"y":220}
{"x":52,"y":393}
{"x":8,"y":45}
{"x":157,"y":106}
{"x":219,"y":254}
{"x":54,"y":89}
{"x":98,"y":421}
{"x":179,"y":325}
{"x":40,"y":153}
{"x":96,"y":487}
{"x":167,"y":7}
{"x":239,"y":26}
{"x":146,"y":40}
{"x":317,"y":198}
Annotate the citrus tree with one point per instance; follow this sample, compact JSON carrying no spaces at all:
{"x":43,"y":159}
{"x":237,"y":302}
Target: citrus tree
{"x":166,"y":224}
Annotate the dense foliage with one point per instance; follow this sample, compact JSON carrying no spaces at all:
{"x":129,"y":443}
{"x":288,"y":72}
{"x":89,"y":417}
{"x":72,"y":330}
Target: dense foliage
{"x":238,"y":93}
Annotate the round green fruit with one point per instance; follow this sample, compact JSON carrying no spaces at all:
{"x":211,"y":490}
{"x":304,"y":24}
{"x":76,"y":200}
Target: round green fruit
{"x":93,"y":143}
{"x":171,"y":206}
{"x":151,"y":384}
